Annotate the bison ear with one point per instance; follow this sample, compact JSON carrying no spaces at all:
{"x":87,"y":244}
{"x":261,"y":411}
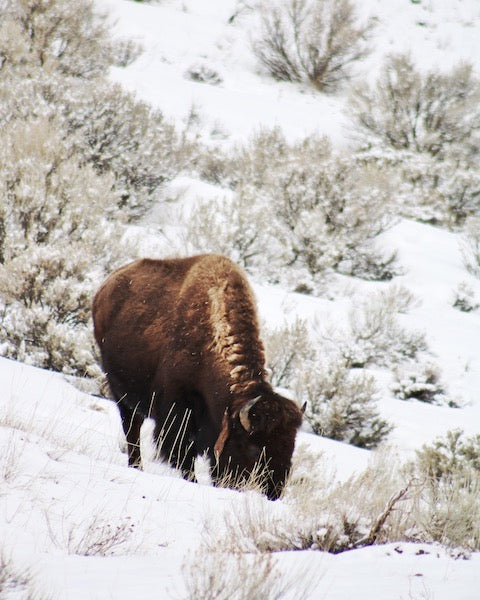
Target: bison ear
{"x":243,"y":414}
{"x":223,"y":436}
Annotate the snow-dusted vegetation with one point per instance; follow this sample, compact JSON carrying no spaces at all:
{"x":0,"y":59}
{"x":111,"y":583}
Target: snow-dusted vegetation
{"x":330,"y":149}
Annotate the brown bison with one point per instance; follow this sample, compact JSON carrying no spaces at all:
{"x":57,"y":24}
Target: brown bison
{"x":179,"y":341}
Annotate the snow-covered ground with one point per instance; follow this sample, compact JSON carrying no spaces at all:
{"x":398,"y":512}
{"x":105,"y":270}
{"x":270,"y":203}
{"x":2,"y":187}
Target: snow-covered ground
{"x":76,"y":521}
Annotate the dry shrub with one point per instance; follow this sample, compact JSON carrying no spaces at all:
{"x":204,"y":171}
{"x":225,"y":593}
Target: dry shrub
{"x":11,"y":581}
{"x":299,"y":212}
{"x":11,"y":453}
{"x":101,"y":538}
{"x":17,"y":581}
{"x":235,"y":575}
{"x":379,"y":505}
{"x":424,"y":112}
{"x":67,"y":37}
{"x":93,"y":536}
{"x":314,"y":41}
{"x":426,"y":127}
{"x":318,"y":513}
{"x":256,"y":480}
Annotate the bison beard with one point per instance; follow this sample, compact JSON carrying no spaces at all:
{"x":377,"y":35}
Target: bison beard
{"x":179,"y":342}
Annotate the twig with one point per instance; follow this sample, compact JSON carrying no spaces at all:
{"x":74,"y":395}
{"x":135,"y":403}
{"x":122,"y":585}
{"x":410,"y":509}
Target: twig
{"x":379,"y":522}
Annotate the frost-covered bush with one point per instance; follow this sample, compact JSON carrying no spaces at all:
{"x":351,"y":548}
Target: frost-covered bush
{"x":438,"y":191}
{"x":310,"y":211}
{"x":287,"y":349}
{"x":465,"y":298}
{"x":78,"y":156}
{"x":68,"y":37}
{"x":425,"y":128}
{"x":117,"y":133}
{"x":420,"y":381}
{"x":202,"y":73}
{"x":342,"y":403}
{"x":423,"y":112}
{"x":114,"y":132}
{"x":51,"y":328}
{"x":310,"y":40}
{"x":54,"y":243}
{"x":126,"y":52}
{"x":431,"y":121}
{"x":235,"y":226}
{"x":252,"y":162}
{"x":471,"y":246}
{"x":43,"y":199}
{"x":374,"y":335}
{"x":330,"y":214}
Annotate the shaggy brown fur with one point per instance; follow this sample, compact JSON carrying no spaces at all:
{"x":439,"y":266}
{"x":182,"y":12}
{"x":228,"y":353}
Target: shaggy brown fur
{"x":179,"y":341}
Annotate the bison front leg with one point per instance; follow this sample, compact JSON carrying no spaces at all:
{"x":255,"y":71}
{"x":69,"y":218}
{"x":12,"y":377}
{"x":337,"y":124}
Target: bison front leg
{"x":132,"y":422}
{"x":175,"y":441}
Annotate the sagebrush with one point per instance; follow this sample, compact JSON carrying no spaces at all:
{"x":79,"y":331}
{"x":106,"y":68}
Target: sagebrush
{"x":78,"y":158}
{"x":314,"y":41}
{"x":298,"y":212}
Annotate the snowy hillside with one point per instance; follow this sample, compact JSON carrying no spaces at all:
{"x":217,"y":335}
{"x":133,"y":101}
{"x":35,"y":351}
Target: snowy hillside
{"x":189,"y":34}
{"x":76,"y":523}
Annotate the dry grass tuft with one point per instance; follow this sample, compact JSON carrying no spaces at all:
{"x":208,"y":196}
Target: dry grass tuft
{"x":236,"y":575}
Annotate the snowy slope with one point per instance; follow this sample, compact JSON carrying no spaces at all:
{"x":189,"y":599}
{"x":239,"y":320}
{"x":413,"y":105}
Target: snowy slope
{"x":177,"y":35}
{"x":83,"y":525}
{"x":76,"y":521}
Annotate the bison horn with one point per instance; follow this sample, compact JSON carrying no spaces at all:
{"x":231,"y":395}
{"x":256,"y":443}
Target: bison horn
{"x":243,"y":414}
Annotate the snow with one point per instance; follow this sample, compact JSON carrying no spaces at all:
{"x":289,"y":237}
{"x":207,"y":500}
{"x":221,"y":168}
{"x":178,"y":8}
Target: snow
{"x":65,"y":482}
{"x":179,"y":39}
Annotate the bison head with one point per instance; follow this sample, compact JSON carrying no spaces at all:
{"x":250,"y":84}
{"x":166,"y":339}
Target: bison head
{"x":257,"y":442}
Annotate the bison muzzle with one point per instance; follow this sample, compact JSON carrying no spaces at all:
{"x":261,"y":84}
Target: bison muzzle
{"x":179,"y":342}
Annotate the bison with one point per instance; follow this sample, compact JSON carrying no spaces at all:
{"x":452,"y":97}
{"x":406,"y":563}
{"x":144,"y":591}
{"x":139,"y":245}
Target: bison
{"x":179,"y":343}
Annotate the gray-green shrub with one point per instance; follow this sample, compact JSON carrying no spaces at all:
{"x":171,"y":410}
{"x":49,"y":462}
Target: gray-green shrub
{"x":342,"y":404}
